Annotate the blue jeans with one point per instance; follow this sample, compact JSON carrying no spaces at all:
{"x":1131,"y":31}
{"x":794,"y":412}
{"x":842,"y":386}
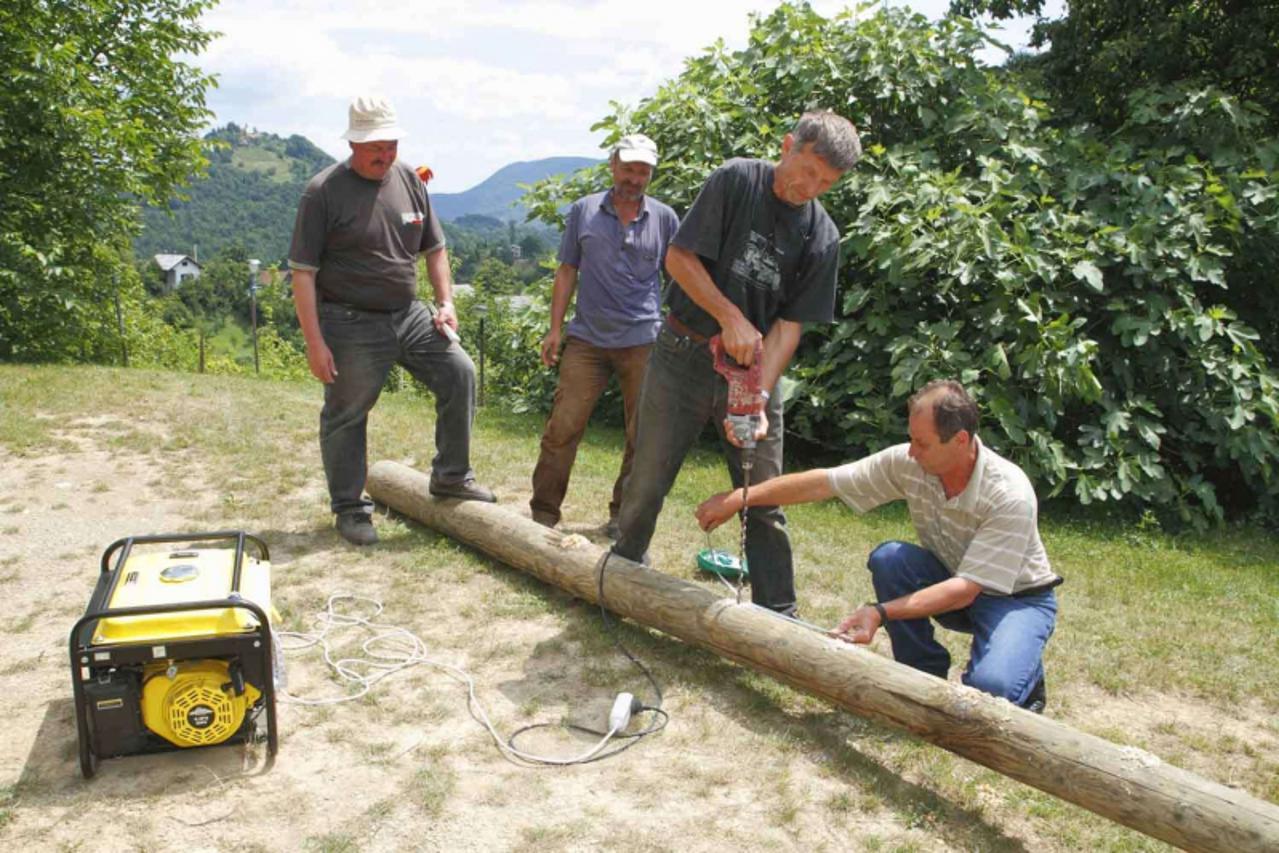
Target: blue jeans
{"x":365,"y":344}
{"x":681,"y":393}
{"x":1009,"y":633}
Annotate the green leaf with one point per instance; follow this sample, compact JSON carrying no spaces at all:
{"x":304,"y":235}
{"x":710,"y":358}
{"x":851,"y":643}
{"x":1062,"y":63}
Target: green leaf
{"x":1089,"y":274}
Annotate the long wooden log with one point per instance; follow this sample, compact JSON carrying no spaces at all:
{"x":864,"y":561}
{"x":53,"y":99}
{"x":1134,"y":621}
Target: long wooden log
{"x":1125,"y":784}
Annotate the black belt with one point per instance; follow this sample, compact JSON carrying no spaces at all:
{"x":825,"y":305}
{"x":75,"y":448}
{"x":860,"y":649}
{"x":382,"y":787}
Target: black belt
{"x":360,"y":308}
{"x":680,"y":328}
{"x":1043,"y":587}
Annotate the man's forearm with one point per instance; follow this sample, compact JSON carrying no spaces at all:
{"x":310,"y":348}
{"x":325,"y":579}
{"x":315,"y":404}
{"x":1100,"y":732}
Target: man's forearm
{"x":562,"y":293}
{"x":952,"y":594}
{"x":690,"y":274}
{"x":799,"y":488}
{"x":437,"y":270}
{"x":304,"y":303}
{"x":779,"y":347}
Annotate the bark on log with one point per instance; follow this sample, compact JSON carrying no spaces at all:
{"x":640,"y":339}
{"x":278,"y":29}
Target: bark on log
{"x":1125,"y":784}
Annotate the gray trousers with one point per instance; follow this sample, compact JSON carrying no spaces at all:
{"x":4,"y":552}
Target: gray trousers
{"x":681,"y":393}
{"x":365,"y":344}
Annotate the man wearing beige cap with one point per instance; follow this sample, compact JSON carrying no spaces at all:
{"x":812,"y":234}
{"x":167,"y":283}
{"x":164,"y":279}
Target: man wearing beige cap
{"x":360,"y":228}
{"x":614,"y":243}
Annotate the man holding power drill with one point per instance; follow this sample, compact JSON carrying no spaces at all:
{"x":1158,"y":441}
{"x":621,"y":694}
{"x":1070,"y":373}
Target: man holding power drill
{"x":754,"y":259}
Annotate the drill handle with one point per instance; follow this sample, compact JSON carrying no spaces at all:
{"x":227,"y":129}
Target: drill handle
{"x":725,"y":362}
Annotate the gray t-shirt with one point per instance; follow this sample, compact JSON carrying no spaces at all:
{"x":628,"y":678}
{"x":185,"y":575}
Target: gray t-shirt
{"x":363,"y":237}
{"x":768,"y":258}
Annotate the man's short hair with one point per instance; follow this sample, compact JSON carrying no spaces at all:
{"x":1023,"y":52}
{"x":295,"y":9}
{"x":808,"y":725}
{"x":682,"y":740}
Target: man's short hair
{"x":832,"y":136}
{"x":952,"y":408}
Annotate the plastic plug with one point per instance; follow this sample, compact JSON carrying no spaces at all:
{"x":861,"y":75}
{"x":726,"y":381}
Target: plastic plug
{"x":620,"y":717}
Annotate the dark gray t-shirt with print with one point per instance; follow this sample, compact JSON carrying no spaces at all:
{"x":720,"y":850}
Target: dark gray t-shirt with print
{"x":771,"y":260}
{"x":363,"y":237}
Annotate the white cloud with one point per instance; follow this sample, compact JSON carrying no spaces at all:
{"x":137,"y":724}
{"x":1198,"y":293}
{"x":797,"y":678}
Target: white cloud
{"x":478,"y":83}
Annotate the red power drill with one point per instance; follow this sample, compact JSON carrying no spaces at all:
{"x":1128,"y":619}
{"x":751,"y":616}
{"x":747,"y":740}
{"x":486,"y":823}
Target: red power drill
{"x":745,"y":405}
{"x":745,"y":396}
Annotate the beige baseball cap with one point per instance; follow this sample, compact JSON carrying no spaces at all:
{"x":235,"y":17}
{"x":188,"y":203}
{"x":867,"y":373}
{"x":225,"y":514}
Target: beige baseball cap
{"x":636,"y":148}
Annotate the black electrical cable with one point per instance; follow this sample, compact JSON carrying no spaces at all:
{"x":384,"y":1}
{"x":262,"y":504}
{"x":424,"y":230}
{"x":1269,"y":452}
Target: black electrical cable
{"x":660,"y":717}
{"x":611,"y":628}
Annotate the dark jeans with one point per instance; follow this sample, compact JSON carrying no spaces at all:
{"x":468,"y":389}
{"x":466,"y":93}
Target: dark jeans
{"x":1009,"y":632}
{"x":681,"y":393}
{"x":584,"y":373}
{"x":365,"y":344}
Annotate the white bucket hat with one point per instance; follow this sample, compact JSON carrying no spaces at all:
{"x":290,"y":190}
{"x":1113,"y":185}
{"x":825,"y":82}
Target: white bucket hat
{"x":636,"y":148}
{"x":373,"y":119}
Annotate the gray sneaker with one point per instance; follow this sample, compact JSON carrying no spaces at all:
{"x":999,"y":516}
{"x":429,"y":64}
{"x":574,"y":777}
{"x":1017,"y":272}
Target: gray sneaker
{"x":357,"y":528}
{"x":464,"y":490}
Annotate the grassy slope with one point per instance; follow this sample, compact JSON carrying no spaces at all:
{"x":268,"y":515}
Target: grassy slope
{"x":1168,"y":622}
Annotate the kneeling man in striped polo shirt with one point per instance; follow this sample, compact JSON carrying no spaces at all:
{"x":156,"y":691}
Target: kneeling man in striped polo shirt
{"x":981,"y":569}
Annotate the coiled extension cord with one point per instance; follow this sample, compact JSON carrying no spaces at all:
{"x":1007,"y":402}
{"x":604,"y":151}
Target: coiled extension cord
{"x":393,"y":649}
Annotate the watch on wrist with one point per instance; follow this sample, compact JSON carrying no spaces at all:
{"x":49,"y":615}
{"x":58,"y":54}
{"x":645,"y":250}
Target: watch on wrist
{"x":879,"y":608}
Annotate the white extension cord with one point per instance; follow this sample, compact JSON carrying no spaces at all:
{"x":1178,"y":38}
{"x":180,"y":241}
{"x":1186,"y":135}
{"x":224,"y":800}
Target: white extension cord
{"x":393,"y":649}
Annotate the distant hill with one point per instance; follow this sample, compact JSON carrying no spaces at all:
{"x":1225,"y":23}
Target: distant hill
{"x":495,"y":197}
{"x":250,"y":197}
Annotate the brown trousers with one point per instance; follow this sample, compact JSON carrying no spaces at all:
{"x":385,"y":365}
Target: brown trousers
{"x":584,"y":373}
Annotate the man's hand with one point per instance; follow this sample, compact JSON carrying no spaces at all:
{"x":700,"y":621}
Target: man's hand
{"x":761,"y":430}
{"x":551,"y":348}
{"x":859,"y":627}
{"x":740,"y":339}
{"x":716,"y":510}
{"x":320,"y":359}
{"x":445,"y":315}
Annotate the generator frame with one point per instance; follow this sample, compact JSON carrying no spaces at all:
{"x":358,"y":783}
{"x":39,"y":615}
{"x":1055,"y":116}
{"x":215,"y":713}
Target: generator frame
{"x":251,"y":647}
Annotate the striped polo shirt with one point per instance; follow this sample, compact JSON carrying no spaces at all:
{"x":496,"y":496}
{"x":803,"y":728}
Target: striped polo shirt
{"x":988,"y":533}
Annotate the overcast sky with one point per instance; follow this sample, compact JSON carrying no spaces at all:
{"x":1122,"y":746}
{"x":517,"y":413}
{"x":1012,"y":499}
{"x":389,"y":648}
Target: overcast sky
{"x":477,"y":83}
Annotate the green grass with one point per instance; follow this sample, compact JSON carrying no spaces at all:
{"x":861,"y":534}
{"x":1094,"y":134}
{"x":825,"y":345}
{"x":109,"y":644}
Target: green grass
{"x":8,"y":801}
{"x":1146,"y":617}
{"x":433,"y":786}
{"x":261,"y":160}
{"x":333,"y":842}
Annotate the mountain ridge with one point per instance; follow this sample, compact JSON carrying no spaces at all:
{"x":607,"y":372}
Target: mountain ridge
{"x":497,"y":195}
{"x":248,"y":199}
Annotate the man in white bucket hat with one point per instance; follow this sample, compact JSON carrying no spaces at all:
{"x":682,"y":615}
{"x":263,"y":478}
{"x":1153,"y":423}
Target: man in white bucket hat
{"x":360,"y":228}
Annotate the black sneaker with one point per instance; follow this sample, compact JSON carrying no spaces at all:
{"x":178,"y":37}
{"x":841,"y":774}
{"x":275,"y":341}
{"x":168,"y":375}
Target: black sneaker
{"x":357,"y":528}
{"x":463,"y":490}
{"x":1038,"y":698}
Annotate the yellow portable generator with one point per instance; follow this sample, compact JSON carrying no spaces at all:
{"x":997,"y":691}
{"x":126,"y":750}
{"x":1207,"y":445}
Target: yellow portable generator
{"x":175,"y":648}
